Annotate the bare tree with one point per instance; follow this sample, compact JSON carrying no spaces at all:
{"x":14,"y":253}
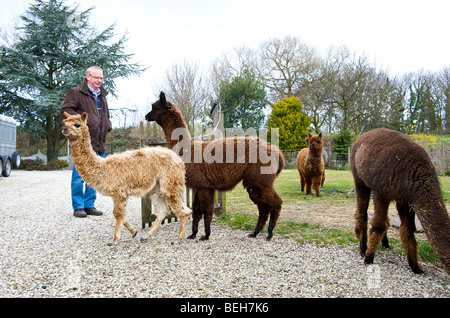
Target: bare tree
{"x":224,"y":68}
{"x":185,"y":87}
{"x":285,"y":66}
{"x":316,"y":94}
{"x":444,"y":87}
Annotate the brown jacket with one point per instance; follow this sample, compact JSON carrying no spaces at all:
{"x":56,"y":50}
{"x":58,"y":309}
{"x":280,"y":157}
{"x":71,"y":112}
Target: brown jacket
{"x":79,"y":100}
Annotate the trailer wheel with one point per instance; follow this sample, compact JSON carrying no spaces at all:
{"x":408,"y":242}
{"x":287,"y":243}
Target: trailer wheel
{"x":6,"y":167}
{"x":16,"y":160}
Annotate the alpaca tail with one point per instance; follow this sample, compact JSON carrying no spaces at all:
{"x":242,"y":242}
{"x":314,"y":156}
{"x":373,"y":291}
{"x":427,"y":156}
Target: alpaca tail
{"x":436,"y":224}
{"x":280,"y":162}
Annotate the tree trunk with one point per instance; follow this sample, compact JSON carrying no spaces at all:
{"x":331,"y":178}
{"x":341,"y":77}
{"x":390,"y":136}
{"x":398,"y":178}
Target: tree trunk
{"x":447,"y":111}
{"x":53,"y":134}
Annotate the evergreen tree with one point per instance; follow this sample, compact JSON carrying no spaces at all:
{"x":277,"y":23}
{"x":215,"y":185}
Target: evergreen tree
{"x":53,"y":47}
{"x":243,"y":100}
{"x":288,"y":116}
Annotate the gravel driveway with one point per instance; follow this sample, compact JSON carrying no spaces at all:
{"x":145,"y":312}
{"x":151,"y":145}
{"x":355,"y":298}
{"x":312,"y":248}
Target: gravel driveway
{"x":46,"y":252}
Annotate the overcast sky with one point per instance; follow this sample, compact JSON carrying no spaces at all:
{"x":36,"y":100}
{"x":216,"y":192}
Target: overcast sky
{"x":397,"y":35}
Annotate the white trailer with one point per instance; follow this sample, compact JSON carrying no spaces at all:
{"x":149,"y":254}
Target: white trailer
{"x":9,"y":157}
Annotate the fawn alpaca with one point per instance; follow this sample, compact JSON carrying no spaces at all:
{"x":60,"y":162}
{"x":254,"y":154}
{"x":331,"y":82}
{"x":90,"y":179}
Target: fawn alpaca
{"x":394,"y":167}
{"x":131,"y":173}
{"x":310,"y":164}
{"x":205,"y":175}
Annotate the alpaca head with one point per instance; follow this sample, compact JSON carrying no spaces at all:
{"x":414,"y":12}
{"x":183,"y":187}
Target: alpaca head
{"x":160,"y":109}
{"x":314,"y":143}
{"x":74,"y":126}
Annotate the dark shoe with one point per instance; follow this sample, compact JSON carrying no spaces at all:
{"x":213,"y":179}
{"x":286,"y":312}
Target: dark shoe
{"x":79,"y":213}
{"x":93,"y":211}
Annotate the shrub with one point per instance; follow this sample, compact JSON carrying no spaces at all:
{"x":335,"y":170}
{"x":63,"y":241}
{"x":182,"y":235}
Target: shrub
{"x":29,"y":165}
{"x":342,"y":141}
{"x":423,"y":139}
{"x":39,"y":165}
{"x":288,"y":116}
{"x":57,"y":164}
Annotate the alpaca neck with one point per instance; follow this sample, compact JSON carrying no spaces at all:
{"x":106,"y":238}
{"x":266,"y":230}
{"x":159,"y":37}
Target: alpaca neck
{"x":315,"y":154}
{"x":86,"y":161}
{"x":176,"y":131}
{"x":435,"y":221}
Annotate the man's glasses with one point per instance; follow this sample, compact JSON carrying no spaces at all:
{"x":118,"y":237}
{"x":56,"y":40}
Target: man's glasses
{"x":97,"y":78}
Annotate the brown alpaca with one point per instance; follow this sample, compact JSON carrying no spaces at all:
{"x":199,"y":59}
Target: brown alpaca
{"x":131,"y":173}
{"x":393,"y":167}
{"x":310,"y":164}
{"x":220,"y":165}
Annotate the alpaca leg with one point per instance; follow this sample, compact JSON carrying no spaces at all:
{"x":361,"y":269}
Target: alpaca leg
{"x":161,"y":211}
{"x":316,"y":181}
{"x":302,"y":181}
{"x":263,"y":199}
{"x":130,"y":228}
{"x":323,"y":179}
{"x":183,"y":218}
{"x":407,"y":229}
{"x":173,"y":193}
{"x":203,"y":205}
{"x":183,"y":214}
{"x":208,"y":212}
{"x":207,"y":219}
{"x":263,"y":210}
{"x":379,"y":227}
{"x":181,"y":211}
{"x":196,"y":216}
{"x":308,"y":185}
{"x":119,"y":214}
{"x":274,"y":214}
{"x":362,"y":203}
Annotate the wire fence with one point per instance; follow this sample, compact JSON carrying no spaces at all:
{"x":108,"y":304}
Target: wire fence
{"x":334,"y":160}
{"x":338,"y":158}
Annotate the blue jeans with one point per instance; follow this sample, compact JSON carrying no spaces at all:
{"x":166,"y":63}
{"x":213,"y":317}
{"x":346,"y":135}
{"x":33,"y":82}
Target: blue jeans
{"x":83,"y":196}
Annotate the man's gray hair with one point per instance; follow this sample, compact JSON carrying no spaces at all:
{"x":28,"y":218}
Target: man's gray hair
{"x":90,"y":69}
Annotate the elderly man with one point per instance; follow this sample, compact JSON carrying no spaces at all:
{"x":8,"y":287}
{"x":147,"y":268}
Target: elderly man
{"x":90,"y":98}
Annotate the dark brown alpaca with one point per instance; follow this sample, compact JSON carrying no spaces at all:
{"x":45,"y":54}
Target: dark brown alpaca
{"x":393,"y":167}
{"x":220,"y":165}
{"x":310,"y":164}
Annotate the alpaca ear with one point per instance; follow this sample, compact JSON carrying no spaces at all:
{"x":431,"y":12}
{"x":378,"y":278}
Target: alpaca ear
{"x":162,"y":99}
{"x":66,"y":114}
{"x":84,"y":117}
{"x":320,"y":135}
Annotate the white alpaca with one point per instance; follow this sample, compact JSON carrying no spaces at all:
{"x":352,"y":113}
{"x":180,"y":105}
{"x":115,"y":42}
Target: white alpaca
{"x":131,"y":173}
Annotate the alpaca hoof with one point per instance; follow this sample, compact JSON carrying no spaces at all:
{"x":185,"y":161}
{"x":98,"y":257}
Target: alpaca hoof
{"x":192,"y":236}
{"x":269,"y":238}
{"x":416,"y":270}
{"x":113,"y":243}
{"x":143,"y":239}
{"x":253,"y":235}
{"x":368,"y":260}
{"x":134,"y":234}
{"x":385,"y":242}
{"x":204,"y":238}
